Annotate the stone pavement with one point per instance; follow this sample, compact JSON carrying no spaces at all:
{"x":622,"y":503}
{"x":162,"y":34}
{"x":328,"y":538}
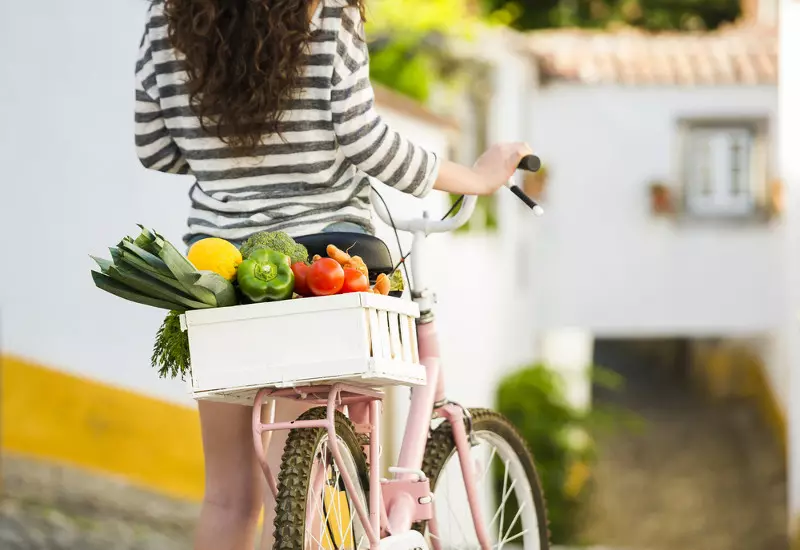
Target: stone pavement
{"x":46,"y":507}
{"x":698,"y":476}
{"x":34,"y":526}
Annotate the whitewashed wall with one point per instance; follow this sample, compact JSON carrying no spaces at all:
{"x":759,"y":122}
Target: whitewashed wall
{"x":602,"y":262}
{"x":789,"y":129}
{"x":72,"y":186}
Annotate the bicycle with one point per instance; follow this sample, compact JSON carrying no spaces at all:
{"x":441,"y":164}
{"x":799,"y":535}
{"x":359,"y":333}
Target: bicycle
{"x":330,"y":495}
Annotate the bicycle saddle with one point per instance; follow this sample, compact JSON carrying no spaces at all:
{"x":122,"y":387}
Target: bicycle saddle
{"x":372,"y":250}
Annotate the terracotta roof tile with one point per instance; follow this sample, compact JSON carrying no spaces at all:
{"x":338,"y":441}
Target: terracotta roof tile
{"x":741,"y":55}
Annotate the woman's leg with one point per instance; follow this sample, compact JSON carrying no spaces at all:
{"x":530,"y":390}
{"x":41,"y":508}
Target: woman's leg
{"x":234,"y":488}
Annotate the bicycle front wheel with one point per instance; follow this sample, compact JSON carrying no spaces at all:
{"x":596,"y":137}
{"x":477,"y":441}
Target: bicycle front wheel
{"x":511,"y":498}
{"x":313,"y":510}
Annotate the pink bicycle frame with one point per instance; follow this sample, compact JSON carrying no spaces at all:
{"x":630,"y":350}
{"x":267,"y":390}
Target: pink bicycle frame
{"x":394,"y":504}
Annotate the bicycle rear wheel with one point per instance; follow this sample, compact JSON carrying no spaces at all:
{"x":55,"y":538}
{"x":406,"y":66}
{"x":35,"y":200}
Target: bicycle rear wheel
{"x":512,"y":502}
{"x":313,"y":510}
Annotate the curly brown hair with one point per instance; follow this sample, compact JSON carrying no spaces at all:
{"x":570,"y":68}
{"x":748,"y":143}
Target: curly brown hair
{"x":244,"y":60}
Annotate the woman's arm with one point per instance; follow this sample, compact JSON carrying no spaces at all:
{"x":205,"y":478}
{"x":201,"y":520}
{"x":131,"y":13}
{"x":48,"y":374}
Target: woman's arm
{"x":384,"y":154}
{"x":364,"y":138}
{"x":154,"y":145}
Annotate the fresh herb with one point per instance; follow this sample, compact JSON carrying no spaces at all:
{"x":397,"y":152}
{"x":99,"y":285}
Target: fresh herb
{"x":396,"y":279}
{"x":171,"y":348}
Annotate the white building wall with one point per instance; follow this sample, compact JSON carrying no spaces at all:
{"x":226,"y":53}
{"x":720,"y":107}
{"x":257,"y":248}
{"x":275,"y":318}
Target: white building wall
{"x":72,"y":186}
{"x":789,"y":128}
{"x":602,"y":262}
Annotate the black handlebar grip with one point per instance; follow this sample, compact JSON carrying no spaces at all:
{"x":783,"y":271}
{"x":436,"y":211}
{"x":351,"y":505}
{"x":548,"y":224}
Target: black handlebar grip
{"x":530,"y":163}
{"x":523,"y":197}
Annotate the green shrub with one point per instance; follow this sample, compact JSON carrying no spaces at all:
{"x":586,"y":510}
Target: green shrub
{"x":534,"y":400}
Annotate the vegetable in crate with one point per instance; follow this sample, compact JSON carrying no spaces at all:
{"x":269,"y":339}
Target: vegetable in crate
{"x":217,"y":255}
{"x":149,"y":270}
{"x":300,"y":271}
{"x":277,"y":241}
{"x":382,"y":285}
{"x":325,"y":277}
{"x":346,"y":260}
{"x":397,"y":283}
{"x":354,"y":281}
{"x":171,"y":348}
{"x":266,"y":276}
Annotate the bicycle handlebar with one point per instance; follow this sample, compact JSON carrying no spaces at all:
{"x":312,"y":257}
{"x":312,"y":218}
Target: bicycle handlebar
{"x":530,"y":163}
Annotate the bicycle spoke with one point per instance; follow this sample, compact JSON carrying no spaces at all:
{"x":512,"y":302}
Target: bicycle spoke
{"x":515,"y":537}
{"x":317,"y":500}
{"x":338,"y":505}
{"x":352,"y":515}
{"x":489,"y":464}
{"x":492,"y":493}
{"x":505,"y":539}
{"x":503,"y":504}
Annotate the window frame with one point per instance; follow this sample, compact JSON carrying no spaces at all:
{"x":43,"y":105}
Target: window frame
{"x":751,"y":206}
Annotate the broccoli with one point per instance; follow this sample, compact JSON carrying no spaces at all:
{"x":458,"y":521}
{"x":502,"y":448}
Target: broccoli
{"x":277,"y":241}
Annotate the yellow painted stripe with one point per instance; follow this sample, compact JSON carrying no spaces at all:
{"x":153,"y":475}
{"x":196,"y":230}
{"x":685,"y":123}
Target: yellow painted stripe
{"x":768,"y":404}
{"x":55,"y":416}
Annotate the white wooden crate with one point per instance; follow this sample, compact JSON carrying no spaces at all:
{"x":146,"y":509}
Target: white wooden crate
{"x":362,"y":339}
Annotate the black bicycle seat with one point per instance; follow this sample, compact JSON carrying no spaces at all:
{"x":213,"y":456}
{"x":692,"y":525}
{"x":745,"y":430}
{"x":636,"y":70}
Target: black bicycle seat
{"x":371,"y":249}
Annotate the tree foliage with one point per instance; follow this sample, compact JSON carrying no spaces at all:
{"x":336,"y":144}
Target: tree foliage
{"x":647,"y":14}
{"x":406,"y":37}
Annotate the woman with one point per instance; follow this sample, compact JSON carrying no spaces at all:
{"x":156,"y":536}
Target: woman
{"x":268,"y":105}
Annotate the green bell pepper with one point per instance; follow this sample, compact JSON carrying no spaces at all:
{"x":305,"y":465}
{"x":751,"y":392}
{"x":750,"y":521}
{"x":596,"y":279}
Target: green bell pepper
{"x":266,"y":276}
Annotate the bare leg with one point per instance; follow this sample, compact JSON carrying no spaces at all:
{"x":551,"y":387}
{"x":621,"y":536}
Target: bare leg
{"x":234,"y":487}
{"x":286,"y":411}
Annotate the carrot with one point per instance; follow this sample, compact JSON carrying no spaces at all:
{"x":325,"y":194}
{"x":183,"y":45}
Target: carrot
{"x":340,"y":256}
{"x":315,"y":258}
{"x":358,"y":264}
{"x":382,"y":285}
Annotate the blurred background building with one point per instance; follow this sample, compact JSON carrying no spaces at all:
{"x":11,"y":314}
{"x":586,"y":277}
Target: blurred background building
{"x":668,"y":255}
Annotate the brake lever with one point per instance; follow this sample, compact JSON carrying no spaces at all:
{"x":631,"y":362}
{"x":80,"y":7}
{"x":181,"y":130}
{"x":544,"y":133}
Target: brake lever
{"x":532,"y":204}
{"x":529,"y":163}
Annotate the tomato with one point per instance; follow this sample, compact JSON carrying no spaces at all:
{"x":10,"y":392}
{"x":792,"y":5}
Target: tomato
{"x":325,"y":277}
{"x":354,"y":281}
{"x":300,"y":271}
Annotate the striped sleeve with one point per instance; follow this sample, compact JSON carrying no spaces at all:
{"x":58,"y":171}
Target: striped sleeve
{"x":154,"y":145}
{"x":365,"y":139}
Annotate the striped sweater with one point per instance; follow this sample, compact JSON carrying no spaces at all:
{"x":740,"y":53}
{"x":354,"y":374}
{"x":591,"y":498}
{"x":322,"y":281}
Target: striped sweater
{"x":318,"y":174}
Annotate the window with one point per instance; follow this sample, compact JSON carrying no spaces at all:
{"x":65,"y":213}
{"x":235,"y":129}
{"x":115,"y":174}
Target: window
{"x":724,"y":168}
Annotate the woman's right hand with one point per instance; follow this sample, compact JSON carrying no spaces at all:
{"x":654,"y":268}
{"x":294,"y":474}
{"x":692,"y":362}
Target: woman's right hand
{"x":489,"y":173}
{"x":496,"y":166}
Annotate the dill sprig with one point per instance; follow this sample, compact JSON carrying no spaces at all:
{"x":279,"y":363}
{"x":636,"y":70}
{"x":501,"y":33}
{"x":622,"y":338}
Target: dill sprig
{"x":171,"y":348}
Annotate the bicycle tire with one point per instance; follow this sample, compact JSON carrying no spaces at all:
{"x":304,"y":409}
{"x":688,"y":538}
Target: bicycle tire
{"x":295,"y":475}
{"x":441,"y":448}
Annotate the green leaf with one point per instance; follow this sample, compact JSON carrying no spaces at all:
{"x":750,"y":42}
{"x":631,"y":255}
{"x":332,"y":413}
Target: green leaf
{"x":146,"y":240}
{"x":134,"y":261}
{"x":171,"y":348}
{"x":102,"y":263}
{"x":224,"y":293}
{"x":104,"y":282}
{"x":154,"y":263}
{"x":606,"y":378}
{"x":183,"y":270}
{"x":151,"y":287}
